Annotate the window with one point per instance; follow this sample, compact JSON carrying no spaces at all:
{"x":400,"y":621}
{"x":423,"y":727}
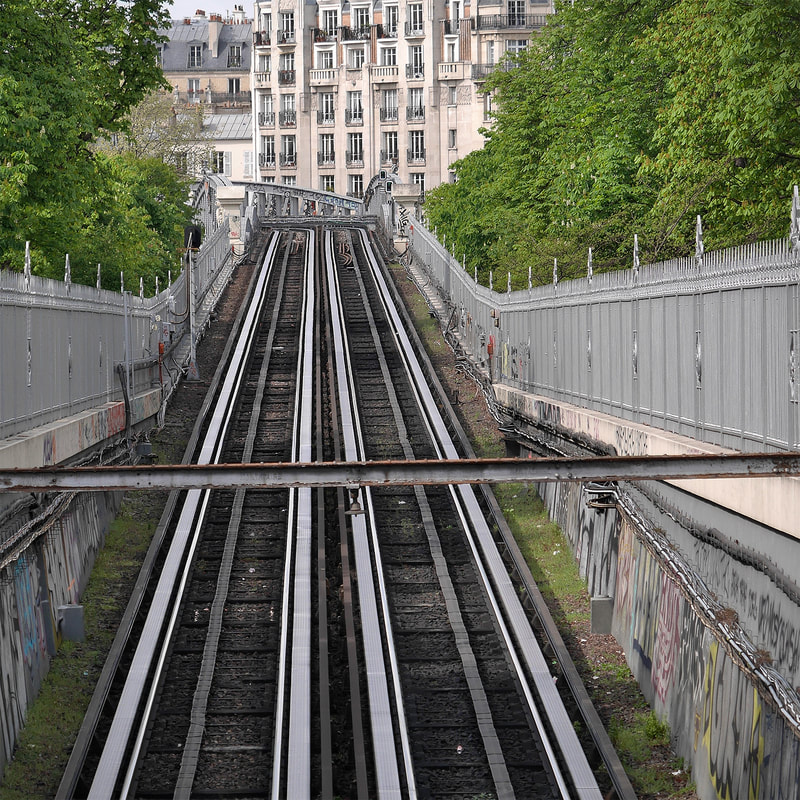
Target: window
{"x":234,"y":85}
{"x":516,"y":45}
{"x":221,"y":163}
{"x":325,"y":59}
{"x":286,"y":73}
{"x":389,"y":105}
{"x":267,"y":151}
{"x":287,"y":61}
{"x":416,"y":60}
{"x":415,"y":23}
{"x":287,"y":27}
{"x":354,"y":111}
{"x":193,"y":87}
{"x":266,"y":27}
{"x":327,"y":183}
{"x":195,"y":55}
{"x":451,"y":95}
{"x":287,"y":115}
{"x":451,"y":138}
{"x":390,"y":149}
{"x":452,"y":52}
{"x":455,"y":10}
{"x":330,"y":21}
{"x":327,"y":108}
{"x":355,"y":185}
{"x":355,"y":148}
{"x":289,"y":180}
{"x":361,"y":20}
{"x":490,"y":53}
{"x":416,"y":104}
{"x":266,"y":115}
{"x":418,"y":178}
{"x":488,"y":106}
{"x":264,"y":63}
{"x":390,"y":15}
{"x":516,"y":13}
{"x":389,"y":56}
{"x":288,"y":151}
{"x":355,"y":57}
{"x":235,"y":56}
{"x":416,"y":150}
{"x":326,"y":155}
{"x":160,"y":56}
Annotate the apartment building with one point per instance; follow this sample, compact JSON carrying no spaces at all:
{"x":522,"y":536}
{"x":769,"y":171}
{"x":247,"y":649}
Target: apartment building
{"x":207,"y":60}
{"x":345,"y":88}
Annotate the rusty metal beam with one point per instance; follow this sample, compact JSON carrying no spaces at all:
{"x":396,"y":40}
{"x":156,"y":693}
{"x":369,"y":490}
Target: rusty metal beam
{"x":392,"y":473}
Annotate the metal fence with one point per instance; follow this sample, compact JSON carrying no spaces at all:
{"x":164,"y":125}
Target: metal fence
{"x":65,"y":348}
{"x":708,"y":347}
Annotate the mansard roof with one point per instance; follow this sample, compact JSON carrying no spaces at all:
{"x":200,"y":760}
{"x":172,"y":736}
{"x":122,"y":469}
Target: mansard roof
{"x":182,"y":34}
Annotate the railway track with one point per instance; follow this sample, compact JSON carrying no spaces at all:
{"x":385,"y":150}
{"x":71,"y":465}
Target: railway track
{"x":353,"y":643}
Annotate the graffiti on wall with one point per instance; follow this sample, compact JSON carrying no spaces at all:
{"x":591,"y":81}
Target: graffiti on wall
{"x":624,"y":583}
{"x":668,"y":636}
{"x":732,"y":735}
{"x":645,"y":608}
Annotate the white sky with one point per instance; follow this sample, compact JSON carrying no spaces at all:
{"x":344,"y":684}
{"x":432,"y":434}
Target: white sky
{"x":186,"y":8}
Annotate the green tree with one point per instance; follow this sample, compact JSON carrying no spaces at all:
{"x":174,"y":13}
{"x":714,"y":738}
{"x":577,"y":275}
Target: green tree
{"x":70,"y":71}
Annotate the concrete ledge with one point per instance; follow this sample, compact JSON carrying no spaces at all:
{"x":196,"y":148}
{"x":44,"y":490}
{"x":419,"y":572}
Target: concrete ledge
{"x":64,"y":439}
{"x":771,"y":501}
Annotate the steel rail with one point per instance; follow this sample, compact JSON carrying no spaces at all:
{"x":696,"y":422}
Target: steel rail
{"x":127,"y":712}
{"x":382,"y":723}
{"x":500,"y":584}
{"x":298,"y":768}
{"x":332,"y":474}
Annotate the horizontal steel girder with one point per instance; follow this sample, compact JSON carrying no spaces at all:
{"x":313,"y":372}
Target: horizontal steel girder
{"x":393,"y":473}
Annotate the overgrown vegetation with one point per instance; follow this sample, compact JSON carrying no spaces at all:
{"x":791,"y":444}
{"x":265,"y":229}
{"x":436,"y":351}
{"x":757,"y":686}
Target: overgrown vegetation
{"x":625,"y":118}
{"x":55,"y":716}
{"x":70,"y":75}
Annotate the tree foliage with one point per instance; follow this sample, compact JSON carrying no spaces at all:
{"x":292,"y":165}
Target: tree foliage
{"x":70,"y":72}
{"x":633,"y":116}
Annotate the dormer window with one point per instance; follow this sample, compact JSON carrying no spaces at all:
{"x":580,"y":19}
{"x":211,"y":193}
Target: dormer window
{"x":195,"y":55}
{"x":235,"y":56}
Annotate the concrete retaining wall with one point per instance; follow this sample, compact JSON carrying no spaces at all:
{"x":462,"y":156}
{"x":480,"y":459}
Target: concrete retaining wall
{"x":52,"y":572}
{"x":724,"y":722}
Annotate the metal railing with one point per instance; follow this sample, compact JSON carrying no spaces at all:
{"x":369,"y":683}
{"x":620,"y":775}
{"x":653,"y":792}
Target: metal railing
{"x":388,"y":115}
{"x":353,"y":116}
{"x":287,"y":119}
{"x":485,"y":22}
{"x":286,"y":77}
{"x":415,"y":113}
{"x":266,"y":119}
{"x":415,"y":71}
{"x":663,"y":344}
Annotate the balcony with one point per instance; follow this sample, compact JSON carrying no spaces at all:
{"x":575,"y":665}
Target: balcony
{"x":287,"y":119}
{"x":261,"y":39}
{"x":453,"y":70}
{"x":388,"y":115}
{"x":415,"y":113}
{"x":354,"y":158}
{"x":415,"y":29}
{"x":286,"y":77}
{"x":266,"y":119}
{"x":288,"y":159}
{"x":326,"y":159}
{"x":326,"y":117}
{"x":452,"y":27}
{"x":386,"y":31}
{"x":285,"y":38}
{"x":234,"y":61}
{"x":415,"y":72}
{"x":415,"y":155}
{"x":323,"y":77}
{"x":262,"y":79}
{"x":389,"y":157}
{"x":319,"y":36}
{"x":384,"y":74}
{"x":266,"y":160}
{"x":356,"y":34}
{"x":500,"y":22}
{"x":353,"y":116}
